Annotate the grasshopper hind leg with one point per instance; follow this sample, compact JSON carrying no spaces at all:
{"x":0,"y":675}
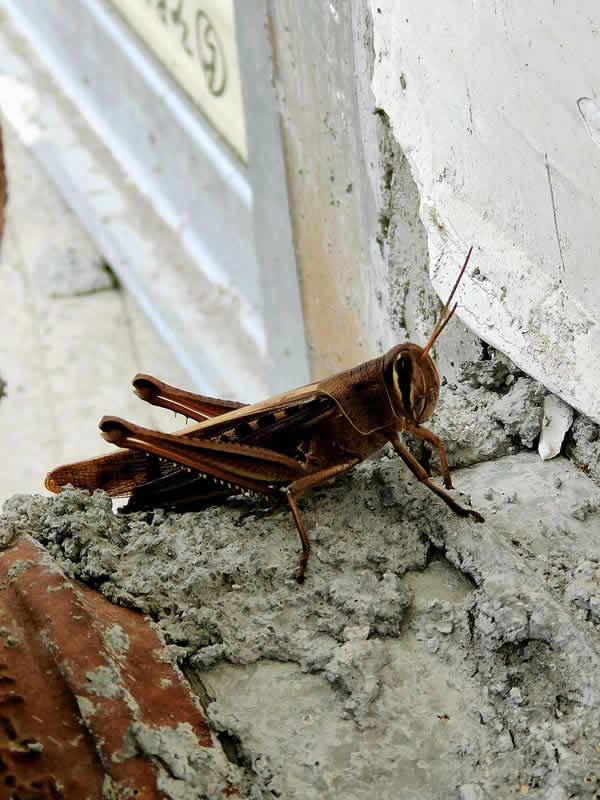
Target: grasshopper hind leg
{"x":176,"y":491}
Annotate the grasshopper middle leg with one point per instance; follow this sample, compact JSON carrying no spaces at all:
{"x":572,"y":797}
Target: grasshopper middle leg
{"x":298,"y":489}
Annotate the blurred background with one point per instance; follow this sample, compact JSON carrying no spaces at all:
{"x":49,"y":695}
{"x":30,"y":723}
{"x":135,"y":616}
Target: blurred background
{"x":239,"y":196}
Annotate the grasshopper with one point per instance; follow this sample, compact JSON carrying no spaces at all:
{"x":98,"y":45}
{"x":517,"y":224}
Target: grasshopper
{"x":277,"y":449}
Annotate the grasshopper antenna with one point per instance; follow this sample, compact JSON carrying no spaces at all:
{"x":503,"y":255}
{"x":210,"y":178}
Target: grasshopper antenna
{"x":445,"y":317}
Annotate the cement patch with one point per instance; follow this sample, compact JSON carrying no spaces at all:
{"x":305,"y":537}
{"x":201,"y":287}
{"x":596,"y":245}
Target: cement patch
{"x":425,"y":654}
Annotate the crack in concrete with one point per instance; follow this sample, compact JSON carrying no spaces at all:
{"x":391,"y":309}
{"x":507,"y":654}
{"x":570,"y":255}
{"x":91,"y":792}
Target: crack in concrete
{"x":554,"y":215}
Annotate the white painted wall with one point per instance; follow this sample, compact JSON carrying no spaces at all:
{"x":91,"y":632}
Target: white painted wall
{"x":497,"y":107}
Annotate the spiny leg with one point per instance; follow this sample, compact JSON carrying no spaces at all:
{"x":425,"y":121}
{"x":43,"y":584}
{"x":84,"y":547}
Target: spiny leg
{"x":427,"y":436}
{"x":195,"y":406}
{"x":298,"y":489}
{"x":422,"y":476}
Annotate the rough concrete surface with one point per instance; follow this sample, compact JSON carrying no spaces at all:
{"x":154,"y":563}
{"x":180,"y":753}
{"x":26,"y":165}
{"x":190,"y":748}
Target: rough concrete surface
{"x":491,"y":409}
{"x":411,"y":306}
{"x":425,"y":657}
{"x":583,"y":445}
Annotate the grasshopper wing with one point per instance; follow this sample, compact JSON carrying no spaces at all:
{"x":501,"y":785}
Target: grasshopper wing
{"x":119,"y":473}
{"x":234,"y":446}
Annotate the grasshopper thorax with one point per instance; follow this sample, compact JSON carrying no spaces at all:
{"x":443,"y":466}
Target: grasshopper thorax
{"x":412,"y":382}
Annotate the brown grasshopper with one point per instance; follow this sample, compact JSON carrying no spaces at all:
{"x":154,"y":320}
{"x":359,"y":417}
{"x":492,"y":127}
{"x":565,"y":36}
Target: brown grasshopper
{"x":278,"y":449}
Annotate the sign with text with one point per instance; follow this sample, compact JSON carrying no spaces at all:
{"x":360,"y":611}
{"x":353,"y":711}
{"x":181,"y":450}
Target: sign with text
{"x":196,"y":41}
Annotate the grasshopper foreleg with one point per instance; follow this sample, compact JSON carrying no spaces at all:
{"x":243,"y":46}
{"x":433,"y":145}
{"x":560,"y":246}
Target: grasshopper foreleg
{"x":427,"y":436}
{"x":422,"y":476}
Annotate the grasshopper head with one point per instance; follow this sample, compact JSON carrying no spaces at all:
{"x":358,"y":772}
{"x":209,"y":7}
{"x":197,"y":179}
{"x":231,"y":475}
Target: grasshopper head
{"x":412,"y":382}
{"x":411,"y":377}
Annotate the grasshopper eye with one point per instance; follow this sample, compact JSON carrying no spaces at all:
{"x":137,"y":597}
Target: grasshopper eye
{"x":403,"y":372}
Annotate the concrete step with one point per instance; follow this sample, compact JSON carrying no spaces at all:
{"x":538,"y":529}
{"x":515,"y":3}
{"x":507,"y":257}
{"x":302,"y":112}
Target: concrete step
{"x":426,"y":656}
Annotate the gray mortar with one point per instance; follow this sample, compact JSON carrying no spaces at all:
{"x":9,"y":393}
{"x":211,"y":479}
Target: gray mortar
{"x":488,"y":407}
{"x":412,"y":306}
{"x":471,"y":415}
{"x":412,"y":303}
{"x":426,"y":656}
{"x":492,"y":409}
{"x":583,"y":446}
{"x":186,"y":770}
